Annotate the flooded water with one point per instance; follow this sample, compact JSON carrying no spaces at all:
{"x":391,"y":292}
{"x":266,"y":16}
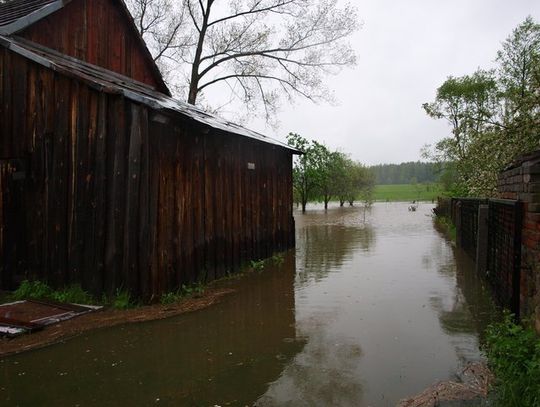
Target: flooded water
{"x":372,"y":306}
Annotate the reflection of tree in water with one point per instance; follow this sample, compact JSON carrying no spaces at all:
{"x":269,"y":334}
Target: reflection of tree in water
{"x":321,"y":248}
{"x":321,"y":375}
{"x":472,"y":307}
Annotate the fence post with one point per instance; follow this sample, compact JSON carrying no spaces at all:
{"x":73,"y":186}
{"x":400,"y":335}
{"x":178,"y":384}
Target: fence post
{"x":458,"y":224}
{"x":482,"y":240}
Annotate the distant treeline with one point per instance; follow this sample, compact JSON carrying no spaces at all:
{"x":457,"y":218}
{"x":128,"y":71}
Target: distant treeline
{"x":406,"y":173}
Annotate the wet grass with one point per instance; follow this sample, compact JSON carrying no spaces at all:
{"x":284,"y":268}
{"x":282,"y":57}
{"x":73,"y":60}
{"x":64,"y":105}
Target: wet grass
{"x":513,"y":352}
{"x":407,"y":192}
{"x":122,"y":299}
{"x":446,"y":225}
{"x":185,"y":291}
{"x":38,"y":290}
{"x":197,"y":289}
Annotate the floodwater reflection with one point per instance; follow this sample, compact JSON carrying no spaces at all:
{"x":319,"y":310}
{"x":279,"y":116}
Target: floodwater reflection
{"x":372,"y":306}
{"x":225,"y":354}
{"x":386,"y":307}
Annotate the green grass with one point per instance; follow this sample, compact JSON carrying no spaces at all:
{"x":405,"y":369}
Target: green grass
{"x":39,"y":290}
{"x":407,"y":192}
{"x":513,"y":353}
{"x":185,"y":291}
{"x":447,"y":226}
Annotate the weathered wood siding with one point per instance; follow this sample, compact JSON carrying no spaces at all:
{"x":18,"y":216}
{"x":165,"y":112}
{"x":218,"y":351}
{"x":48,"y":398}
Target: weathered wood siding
{"x":98,"y":32}
{"x":113,"y":198}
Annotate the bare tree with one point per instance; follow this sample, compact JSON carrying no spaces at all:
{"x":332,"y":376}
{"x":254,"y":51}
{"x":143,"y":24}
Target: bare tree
{"x":260,"y":50}
{"x":162,"y":27}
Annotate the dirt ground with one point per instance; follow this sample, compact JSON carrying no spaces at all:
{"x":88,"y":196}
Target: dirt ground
{"x":107,"y":318}
{"x":473,"y":384}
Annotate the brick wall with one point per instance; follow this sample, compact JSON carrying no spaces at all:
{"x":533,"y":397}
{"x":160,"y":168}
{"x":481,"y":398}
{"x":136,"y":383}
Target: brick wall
{"x":521,"y":180}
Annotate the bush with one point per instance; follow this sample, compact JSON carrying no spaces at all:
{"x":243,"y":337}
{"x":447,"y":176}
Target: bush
{"x":38,"y":290}
{"x":74,"y":294}
{"x":513,"y":353}
{"x":122,"y":300}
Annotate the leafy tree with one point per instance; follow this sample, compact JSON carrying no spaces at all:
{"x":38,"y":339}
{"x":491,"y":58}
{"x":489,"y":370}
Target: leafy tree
{"x":258,"y":50}
{"x":305,"y":176}
{"x":519,"y":79}
{"x":330,"y":169}
{"x":424,"y":172}
{"x":343,"y":177}
{"x":362,"y":184}
{"x":494,"y":115}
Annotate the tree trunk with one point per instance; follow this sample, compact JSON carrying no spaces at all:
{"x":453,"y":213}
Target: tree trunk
{"x":326,"y":198}
{"x":194,"y":81}
{"x":341,"y":202}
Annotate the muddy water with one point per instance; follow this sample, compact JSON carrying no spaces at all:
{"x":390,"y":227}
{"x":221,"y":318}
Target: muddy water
{"x":371,"y":307}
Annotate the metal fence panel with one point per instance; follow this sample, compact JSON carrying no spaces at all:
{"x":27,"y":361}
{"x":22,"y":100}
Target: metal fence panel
{"x":504,"y":251}
{"x":469,"y":224}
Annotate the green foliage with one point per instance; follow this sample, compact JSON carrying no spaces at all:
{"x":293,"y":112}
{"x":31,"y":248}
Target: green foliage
{"x":424,"y":172}
{"x":257,"y":265}
{"x":447,"y":226}
{"x":73,"y":294}
{"x":185,"y":290}
{"x":39,"y":290}
{"x":122,"y":300}
{"x":494,"y":115}
{"x":169,"y":298}
{"x":32,"y":290}
{"x":321,"y":174}
{"x":513,"y":353}
{"x":305,"y":176}
{"x":407,"y":192}
{"x":277,"y":259}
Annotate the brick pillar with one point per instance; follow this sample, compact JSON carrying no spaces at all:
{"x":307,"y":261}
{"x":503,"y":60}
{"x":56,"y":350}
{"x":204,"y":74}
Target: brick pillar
{"x":522,"y":181}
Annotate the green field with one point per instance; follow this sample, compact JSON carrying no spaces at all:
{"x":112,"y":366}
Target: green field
{"x":407,"y":192}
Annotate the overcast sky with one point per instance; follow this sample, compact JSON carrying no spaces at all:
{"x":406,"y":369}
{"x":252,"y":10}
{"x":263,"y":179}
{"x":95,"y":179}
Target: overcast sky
{"x":406,"y":49}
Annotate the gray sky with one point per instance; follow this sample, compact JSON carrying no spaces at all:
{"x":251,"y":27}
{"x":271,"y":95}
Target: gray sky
{"x":406,"y":49}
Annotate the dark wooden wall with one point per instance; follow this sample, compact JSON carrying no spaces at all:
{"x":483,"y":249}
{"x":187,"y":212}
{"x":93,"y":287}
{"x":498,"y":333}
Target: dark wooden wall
{"x":112,"y":198}
{"x":98,"y":32}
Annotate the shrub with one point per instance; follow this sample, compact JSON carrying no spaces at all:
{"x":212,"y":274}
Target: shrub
{"x":37,"y":290}
{"x":122,"y":300}
{"x":74,"y":294}
{"x":170,"y":298}
{"x":257,"y":265}
{"x":513,"y":353}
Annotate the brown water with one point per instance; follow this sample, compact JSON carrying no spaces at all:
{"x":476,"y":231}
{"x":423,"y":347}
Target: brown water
{"x":363,"y":313}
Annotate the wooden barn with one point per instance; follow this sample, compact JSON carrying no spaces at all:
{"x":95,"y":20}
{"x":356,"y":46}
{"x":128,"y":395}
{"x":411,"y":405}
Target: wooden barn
{"x":107,"y":181}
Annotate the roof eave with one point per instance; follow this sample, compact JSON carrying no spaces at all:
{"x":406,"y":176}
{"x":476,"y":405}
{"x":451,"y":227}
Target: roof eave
{"x":32,"y":18}
{"x":26,"y":21}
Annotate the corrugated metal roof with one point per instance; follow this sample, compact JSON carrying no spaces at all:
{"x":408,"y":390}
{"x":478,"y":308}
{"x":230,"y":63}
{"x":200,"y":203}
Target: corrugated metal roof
{"x":114,"y":83}
{"x":13,"y":10}
{"x":16,"y":15}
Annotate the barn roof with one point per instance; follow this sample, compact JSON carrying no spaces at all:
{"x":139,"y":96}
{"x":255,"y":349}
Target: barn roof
{"x":16,"y":15}
{"x":114,"y":83}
